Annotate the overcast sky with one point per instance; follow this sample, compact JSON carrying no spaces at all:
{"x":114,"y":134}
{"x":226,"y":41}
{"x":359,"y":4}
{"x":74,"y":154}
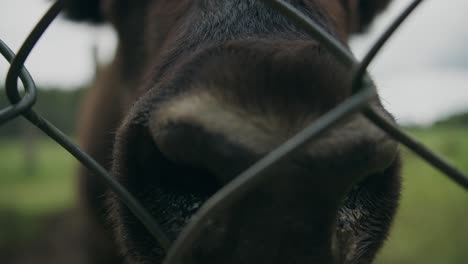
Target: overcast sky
{"x":422,"y":74}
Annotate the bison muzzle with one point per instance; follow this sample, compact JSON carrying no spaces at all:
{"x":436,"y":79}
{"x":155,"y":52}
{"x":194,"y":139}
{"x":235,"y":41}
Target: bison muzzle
{"x":198,"y":91}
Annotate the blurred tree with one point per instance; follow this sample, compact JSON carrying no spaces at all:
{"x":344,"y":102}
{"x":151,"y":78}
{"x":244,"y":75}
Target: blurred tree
{"x":460,"y":119}
{"x":59,"y":106}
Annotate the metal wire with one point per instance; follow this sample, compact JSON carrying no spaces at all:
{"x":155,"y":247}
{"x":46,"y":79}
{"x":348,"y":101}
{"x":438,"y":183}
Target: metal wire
{"x":13,"y":94}
{"x":258,"y":172}
{"x":362,"y":86}
{"x":360,"y":72}
{"x":337,"y":49}
{"x":15,"y":110}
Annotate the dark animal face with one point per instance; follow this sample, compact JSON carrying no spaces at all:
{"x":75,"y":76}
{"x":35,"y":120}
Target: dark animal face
{"x":213,"y":86}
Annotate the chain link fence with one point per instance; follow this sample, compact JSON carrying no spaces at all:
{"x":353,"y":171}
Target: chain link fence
{"x":363,"y":90}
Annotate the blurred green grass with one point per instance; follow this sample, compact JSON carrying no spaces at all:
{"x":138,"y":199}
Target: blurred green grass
{"x":431,"y":225}
{"x":432,"y":222}
{"x":28,"y":196}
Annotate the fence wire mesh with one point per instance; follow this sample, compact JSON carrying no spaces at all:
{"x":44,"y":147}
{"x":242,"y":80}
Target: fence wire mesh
{"x":362,"y":86}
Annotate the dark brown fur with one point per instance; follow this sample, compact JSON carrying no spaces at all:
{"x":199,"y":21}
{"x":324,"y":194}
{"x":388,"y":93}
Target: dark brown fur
{"x":333,"y":202}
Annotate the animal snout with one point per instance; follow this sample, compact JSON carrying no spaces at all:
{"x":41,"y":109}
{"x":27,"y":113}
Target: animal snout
{"x":233,"y":112}
{"x":222,"y":109}
{"x":242,"y":99}
{"x":200,"y":91}
{"x":201,"y":131}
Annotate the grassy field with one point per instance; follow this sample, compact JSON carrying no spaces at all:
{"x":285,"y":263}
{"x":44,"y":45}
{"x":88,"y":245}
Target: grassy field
{"x":26,"y":196}
{"x":432,"y":223}
{"x":431,"y":226}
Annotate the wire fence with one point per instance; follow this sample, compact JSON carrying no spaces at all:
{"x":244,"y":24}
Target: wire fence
{"x":363,"y":90}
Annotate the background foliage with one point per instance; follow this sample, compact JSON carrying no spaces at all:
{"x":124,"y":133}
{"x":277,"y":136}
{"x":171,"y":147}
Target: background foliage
{"x":58,"y":105}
